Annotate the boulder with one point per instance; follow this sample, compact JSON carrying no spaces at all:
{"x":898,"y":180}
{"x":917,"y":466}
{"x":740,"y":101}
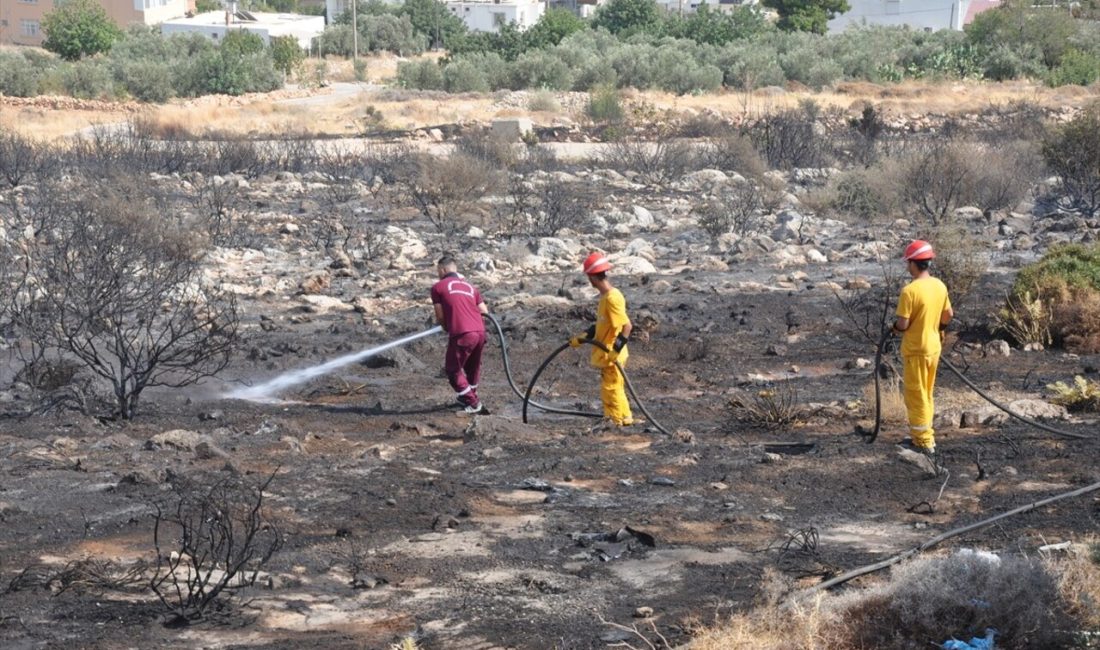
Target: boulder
{"x":180,"y":439}
{"x":513,"y":128}
{"x":997,"y":348}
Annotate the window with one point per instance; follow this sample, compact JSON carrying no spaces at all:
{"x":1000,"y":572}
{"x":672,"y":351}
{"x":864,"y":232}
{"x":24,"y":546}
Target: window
{"x":498,"y":19}
{"x":29,"y":27}
{"x":29,"y":2}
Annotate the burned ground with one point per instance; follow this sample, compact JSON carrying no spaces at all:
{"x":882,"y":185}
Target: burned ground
{"x":404,"y":518}
{"x":401,"y":518}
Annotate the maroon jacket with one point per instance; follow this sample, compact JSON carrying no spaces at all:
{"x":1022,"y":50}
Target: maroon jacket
{"x":459,"y":300}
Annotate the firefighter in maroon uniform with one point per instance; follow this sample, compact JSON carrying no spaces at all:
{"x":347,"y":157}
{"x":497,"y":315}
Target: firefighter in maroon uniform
{"x":458,"y":308}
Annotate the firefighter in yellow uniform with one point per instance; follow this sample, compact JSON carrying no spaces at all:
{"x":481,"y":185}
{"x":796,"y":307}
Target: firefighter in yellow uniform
{"x":613,"y":329}
{"x":924,"y":310}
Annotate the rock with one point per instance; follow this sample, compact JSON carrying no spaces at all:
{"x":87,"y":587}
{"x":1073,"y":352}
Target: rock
{"x":704,"y":179}
{"x":289,"y":228}
{"x":640,"y":248}
{"x":643,"y":218}
{"x":816,"y":256}
{"x":1037,"y":408}
{"x":206,"y":450}
{"x":1034,"y":347}
{"x":180,"y":439}
{"x":969,"y":213}
{"x":475,"y":233}
{"x":513,"y":128}
{"x":216,"y":414}
{"x":776,"y":350}
{"x":340,"y":259}
{"x":643,"y":612}
{"x":325,"y":304}
{"x":770,"y":458}
{"x":395,"y":358}
{"x":859,"y":363}
{"x":918,"y":460}
{"x":436,"y":135}
{"x":997,"y":348}
{"x":663,"y":481}
{"x":554,"y":248}
{"x":970,"y":420}
{"x":684,"y":436}
{"x":771,"y":516}
{"x":315,"y":283}
{"x":632,"y":266}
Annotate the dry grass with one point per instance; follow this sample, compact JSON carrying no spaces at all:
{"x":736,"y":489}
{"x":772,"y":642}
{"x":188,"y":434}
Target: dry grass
{"x":1033,"y":602}
{"x":274,"y":112}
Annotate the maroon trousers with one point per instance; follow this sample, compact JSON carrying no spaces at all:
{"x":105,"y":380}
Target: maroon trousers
{"x":463,"y":365}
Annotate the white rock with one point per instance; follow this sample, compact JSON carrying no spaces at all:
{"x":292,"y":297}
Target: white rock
{"x":997,"y":348}
{"x":289,"y":228}
{"x":816,"y":256}
{"x":326,"y":303}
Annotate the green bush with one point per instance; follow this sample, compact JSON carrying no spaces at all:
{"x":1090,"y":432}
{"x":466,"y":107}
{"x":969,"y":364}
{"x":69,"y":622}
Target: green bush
{"x":390,"y":33}
{"x":539,"y":69}
{"x":1077,"y":67}
{"x":605,"y":105}
{"x":147,"y":81}
{"x":463,"y":76}
{"x":286,"y":53}
{"x":423,"y":74}
{"x":18,"y":78}
{"x":1063,"y":270}
{"x":1005,"y":62}
{"x":86,"y":80}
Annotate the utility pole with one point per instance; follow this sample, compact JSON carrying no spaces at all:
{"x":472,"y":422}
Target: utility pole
{"x":354,"y":30}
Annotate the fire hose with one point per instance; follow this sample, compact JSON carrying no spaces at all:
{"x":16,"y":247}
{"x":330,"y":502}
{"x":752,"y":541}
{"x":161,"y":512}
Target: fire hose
{"x":626,"y":380}
{"x":516,"y":390}
{"x":879,"y":351}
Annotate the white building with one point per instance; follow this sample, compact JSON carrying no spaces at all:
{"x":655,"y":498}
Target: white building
{"x":932,"y":15}
{"x":684,"y":7}
{"x":216,"y":24}
{"x":491,"y":15}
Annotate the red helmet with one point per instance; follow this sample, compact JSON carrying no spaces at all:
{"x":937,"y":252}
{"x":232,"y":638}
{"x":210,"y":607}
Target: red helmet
{"x":918,"y":251}
{"x":596,"y":263}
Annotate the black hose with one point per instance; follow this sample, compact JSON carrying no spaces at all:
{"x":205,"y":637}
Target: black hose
{"x":958,"y":373}
{"x":878,"y":388}
{"x":515,"y":389}
{"x":626,"y":380}
{"x":1038,"y":425}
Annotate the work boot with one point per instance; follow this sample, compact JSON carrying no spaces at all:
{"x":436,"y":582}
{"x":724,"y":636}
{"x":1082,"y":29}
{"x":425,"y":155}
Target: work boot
{"x":474,"y":408}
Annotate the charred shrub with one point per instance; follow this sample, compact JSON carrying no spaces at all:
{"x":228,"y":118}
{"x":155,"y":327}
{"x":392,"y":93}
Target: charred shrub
{"x":443,"y":189}
{"x":664,"y":160}
{"x":733,"y":152}
{"x":488,"y":147}
{"x":735,"y":209}
{"x":22,"y":160}
{"x":961,"y":261}
{"x":1072,"y":151}
{"x":137,"y":313}
{"x":791,"y":139}
{"x":211,"y":540}
{"x":543,"y":208}
{"x":771,"y":407}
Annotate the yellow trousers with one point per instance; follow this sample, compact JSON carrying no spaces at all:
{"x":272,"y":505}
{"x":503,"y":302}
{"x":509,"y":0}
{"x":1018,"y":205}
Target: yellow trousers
{"x":919,"y":380}
{"x":613,"y":394}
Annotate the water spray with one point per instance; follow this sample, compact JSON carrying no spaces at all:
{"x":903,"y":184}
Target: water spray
{"x":264,"y":392}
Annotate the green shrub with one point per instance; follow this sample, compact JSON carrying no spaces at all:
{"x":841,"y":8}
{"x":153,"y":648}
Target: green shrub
{"x":1061,"y":271}
{"x":18,"y":78}
{"x":861,"y":195}
{"x":147,"y":81}
{"x":86,"y":80}
{"x":1077,"y":67}
{"x":286,"y":54}
{"x":1005,"y":62}
{"x":423,"y":74}
{"x":961,"y":260}
{"x":463,"y":76}
{"x":1064,"y":289}
{"x":605,"y":105}
{"x":79,"y":28}
{"x":1083,"y":395}
{"x":390,"y":33}
{"x":539,"y":69}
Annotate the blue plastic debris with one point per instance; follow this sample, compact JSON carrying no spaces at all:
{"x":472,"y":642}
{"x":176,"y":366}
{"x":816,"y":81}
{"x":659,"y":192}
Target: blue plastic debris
{"x":975,"y":643}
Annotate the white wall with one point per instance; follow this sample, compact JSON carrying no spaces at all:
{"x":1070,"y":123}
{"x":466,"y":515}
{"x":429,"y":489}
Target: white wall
{"x":489,"y":16}
{"x":303,"y":29}
{"x":918,"y":14}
